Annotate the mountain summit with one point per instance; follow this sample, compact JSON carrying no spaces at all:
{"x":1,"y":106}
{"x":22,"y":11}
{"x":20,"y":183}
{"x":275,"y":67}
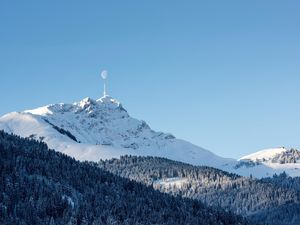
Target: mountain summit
{"x":102,"y":129}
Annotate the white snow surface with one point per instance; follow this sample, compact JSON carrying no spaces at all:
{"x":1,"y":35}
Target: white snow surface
{"x":265,"y":164}
{"x":169,"y":182}
{"x":103,"y":130}
{"x":266,"y":154}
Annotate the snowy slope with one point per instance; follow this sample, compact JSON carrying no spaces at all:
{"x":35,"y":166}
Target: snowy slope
{"x":266,"y":154}
{"x":102,"y":129}
{"x":269,"y":161}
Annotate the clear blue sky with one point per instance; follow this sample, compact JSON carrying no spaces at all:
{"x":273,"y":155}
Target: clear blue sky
{"x":224,"y":75}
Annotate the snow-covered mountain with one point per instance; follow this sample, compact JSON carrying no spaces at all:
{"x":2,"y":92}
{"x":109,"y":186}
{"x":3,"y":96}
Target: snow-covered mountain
{"x":275,"y":155}
{"x":264,"y":155}
{"x":102,"y":129}
{"x":269,"y":161}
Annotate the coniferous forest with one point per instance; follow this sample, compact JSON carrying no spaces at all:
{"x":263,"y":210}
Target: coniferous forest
{"x":41,"y":186}
{"x":274,"y":201}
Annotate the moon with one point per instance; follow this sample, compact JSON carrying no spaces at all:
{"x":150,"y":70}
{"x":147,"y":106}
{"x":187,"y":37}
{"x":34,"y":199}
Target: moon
{"x":104,"y":74}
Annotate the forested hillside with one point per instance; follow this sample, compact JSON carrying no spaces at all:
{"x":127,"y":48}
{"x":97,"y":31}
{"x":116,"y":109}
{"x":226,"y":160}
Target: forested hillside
{"x":246,"y":196}
{"x":283,"y":180}
{"x":41,"y":186}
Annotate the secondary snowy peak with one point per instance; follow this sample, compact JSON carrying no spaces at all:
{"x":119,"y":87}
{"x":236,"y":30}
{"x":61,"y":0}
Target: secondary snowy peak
{"x":264,"y":155}
{"x":102,"y":129}
{"x":274,"y":155}
{"x":270,"y":161}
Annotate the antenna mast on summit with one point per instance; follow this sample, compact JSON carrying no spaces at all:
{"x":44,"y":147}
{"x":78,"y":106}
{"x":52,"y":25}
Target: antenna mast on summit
{"x":104,"y":75}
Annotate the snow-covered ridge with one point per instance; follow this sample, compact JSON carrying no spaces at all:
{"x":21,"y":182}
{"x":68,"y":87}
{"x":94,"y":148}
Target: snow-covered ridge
{"x":270,"y":161}
{"x":90,"y":121}
{"x":103,"y":129}
{"x":276,"y":155}
{"x":265,"y":154}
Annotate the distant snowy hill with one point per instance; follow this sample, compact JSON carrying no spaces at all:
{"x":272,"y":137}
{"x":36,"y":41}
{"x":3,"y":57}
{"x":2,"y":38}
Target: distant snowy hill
{"x":269,"y":161}
{"x":102,"y":129}
{"x":275,"y":155}
{"x":264,"y":155}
